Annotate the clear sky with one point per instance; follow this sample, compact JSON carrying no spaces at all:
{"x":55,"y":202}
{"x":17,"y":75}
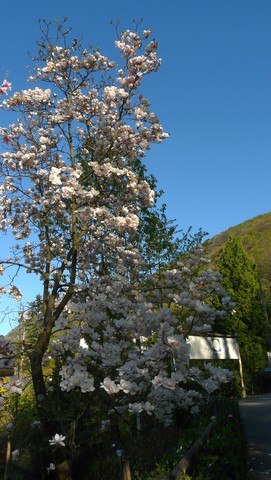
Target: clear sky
{"x":212,"y":94}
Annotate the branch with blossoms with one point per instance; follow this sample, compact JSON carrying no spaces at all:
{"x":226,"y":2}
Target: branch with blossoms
{"x":5,"y":87}
{"x":141,"y":358}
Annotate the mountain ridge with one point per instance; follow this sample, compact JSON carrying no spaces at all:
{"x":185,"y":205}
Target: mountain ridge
{"x":256,"y":238}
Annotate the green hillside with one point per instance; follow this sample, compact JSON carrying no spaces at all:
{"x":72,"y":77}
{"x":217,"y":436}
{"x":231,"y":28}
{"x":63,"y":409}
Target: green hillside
{"x":235,"y":253}
{"x":256,"y":238}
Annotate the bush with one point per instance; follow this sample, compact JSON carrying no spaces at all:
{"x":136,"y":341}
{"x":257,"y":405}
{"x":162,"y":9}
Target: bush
{"x":223,"y":455}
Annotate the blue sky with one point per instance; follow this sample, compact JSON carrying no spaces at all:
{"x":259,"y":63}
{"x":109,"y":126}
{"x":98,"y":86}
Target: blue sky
{"x":212,"y":94}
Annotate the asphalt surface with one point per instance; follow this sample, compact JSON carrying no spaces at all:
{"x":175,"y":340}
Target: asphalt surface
{"x":256,"y":415}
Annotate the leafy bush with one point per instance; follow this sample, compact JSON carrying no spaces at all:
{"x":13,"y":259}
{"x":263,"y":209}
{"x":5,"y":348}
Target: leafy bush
{"x":223,"y":455}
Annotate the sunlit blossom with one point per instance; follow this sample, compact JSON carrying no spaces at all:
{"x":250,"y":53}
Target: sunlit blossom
{"x":15,"y":385}
{"x":58,"y":440}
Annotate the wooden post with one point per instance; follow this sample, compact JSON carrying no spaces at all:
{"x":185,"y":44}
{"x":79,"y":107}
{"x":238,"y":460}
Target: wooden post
{"x":126,"y":472}
{"x":185,"y":463}
{"x":138,"y":424}
{"x":8,"y":456}
{"x":244,"y":393}
{"x":6,"y":372}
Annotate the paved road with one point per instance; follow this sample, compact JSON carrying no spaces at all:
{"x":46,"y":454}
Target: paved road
{"x":256,"y":414}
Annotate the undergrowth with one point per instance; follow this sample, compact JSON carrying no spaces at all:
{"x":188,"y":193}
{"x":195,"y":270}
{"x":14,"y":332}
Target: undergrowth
{"x":223,"y":456}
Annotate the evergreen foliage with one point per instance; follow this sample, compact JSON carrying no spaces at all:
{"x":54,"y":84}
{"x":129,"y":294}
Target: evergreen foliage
{"x":256,"y":240}
{"x":247,"y":320}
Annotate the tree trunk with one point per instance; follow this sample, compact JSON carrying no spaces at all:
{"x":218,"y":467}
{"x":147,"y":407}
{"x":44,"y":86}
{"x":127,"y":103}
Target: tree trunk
{"x":50,"y":425}
{"x":63,"y":471}
{"x":42,"y":403}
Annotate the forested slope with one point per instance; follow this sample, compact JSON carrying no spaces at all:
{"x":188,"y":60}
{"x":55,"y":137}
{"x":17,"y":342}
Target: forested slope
{"x":256,"y":239}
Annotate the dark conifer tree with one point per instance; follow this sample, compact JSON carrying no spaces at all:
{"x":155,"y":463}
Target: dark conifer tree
{"x":247,"y":320}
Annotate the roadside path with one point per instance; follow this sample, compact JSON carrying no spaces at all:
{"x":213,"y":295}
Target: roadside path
{"x":256,"y":415}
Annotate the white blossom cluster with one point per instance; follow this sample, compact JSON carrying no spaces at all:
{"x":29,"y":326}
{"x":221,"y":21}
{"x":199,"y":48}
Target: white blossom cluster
{"x":5,"y":87}
{"x":41,"y":146}
{"x":13,"y":386}
{"x":143,"y":343}
{"x":75,"y":375}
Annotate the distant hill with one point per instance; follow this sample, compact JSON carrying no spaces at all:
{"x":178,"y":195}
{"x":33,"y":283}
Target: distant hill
{"x":256,"y":238}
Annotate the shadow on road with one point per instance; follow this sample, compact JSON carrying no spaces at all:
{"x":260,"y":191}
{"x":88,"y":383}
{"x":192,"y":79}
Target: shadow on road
{"x":256,"y":415}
